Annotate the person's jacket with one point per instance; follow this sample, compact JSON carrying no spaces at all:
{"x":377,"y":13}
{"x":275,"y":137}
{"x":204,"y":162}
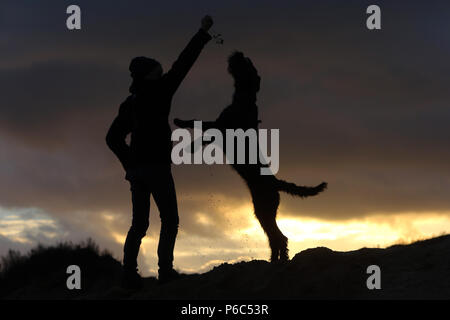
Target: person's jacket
{"x":145,"y":115}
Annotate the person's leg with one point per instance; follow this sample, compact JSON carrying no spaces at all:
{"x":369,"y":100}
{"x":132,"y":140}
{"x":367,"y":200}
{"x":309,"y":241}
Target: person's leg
{"x":140,"y":194}
{"x":165,"y":197}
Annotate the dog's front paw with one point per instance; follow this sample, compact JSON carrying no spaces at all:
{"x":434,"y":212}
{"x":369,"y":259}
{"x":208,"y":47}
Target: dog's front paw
{"x":321,"y":187}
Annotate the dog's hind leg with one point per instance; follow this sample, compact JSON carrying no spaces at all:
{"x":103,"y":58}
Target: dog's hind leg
{"x":270,"y":230}
{"x":277,"y":240}
{"x":266,"y":205}
{"x":284,"y":252}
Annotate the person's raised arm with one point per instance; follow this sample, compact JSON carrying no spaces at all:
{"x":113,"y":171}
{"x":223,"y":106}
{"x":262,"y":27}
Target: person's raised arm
{"x":189,"y":55}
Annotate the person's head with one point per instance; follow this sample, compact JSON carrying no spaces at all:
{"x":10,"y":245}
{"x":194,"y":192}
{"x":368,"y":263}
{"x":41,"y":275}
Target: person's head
{"x":144,"y":71}
{"x":243,"y":71}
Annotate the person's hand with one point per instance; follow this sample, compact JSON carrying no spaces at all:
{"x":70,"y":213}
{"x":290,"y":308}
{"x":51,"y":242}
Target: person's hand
{"x":183,"y":123}
{"x":207,"y":23}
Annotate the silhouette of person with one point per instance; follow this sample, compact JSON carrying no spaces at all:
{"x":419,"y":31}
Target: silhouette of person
{"x":147,"y":159}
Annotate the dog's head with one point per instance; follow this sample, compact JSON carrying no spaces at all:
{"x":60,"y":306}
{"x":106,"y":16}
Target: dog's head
{"x":243,"y":71}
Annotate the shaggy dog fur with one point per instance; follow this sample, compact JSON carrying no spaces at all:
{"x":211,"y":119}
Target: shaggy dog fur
{"x":264,"y":189}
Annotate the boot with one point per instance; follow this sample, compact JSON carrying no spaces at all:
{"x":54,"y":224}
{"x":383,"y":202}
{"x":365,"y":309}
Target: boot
{"x":131,"y":279}
{"x":165,"y":276}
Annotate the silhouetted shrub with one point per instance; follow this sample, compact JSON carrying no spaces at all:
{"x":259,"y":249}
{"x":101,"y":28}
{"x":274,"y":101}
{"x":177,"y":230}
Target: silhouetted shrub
{"x":44,"y":268}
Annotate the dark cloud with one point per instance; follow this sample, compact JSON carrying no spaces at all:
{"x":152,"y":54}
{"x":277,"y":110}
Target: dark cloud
{"x":42,"y":100}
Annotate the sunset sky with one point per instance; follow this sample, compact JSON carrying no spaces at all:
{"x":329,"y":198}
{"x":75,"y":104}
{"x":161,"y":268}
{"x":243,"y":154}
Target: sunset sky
{"x":366,"y":111}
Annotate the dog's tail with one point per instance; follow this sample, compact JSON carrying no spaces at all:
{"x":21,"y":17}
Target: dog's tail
{"x":300,"y":191}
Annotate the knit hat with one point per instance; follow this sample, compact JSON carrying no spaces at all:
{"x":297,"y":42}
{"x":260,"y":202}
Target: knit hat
{"x":141,"y":66}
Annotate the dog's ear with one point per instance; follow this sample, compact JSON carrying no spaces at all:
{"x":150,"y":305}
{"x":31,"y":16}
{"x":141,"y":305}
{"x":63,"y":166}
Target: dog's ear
{"x":236,"y":57}
{"x":236,"y":62}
